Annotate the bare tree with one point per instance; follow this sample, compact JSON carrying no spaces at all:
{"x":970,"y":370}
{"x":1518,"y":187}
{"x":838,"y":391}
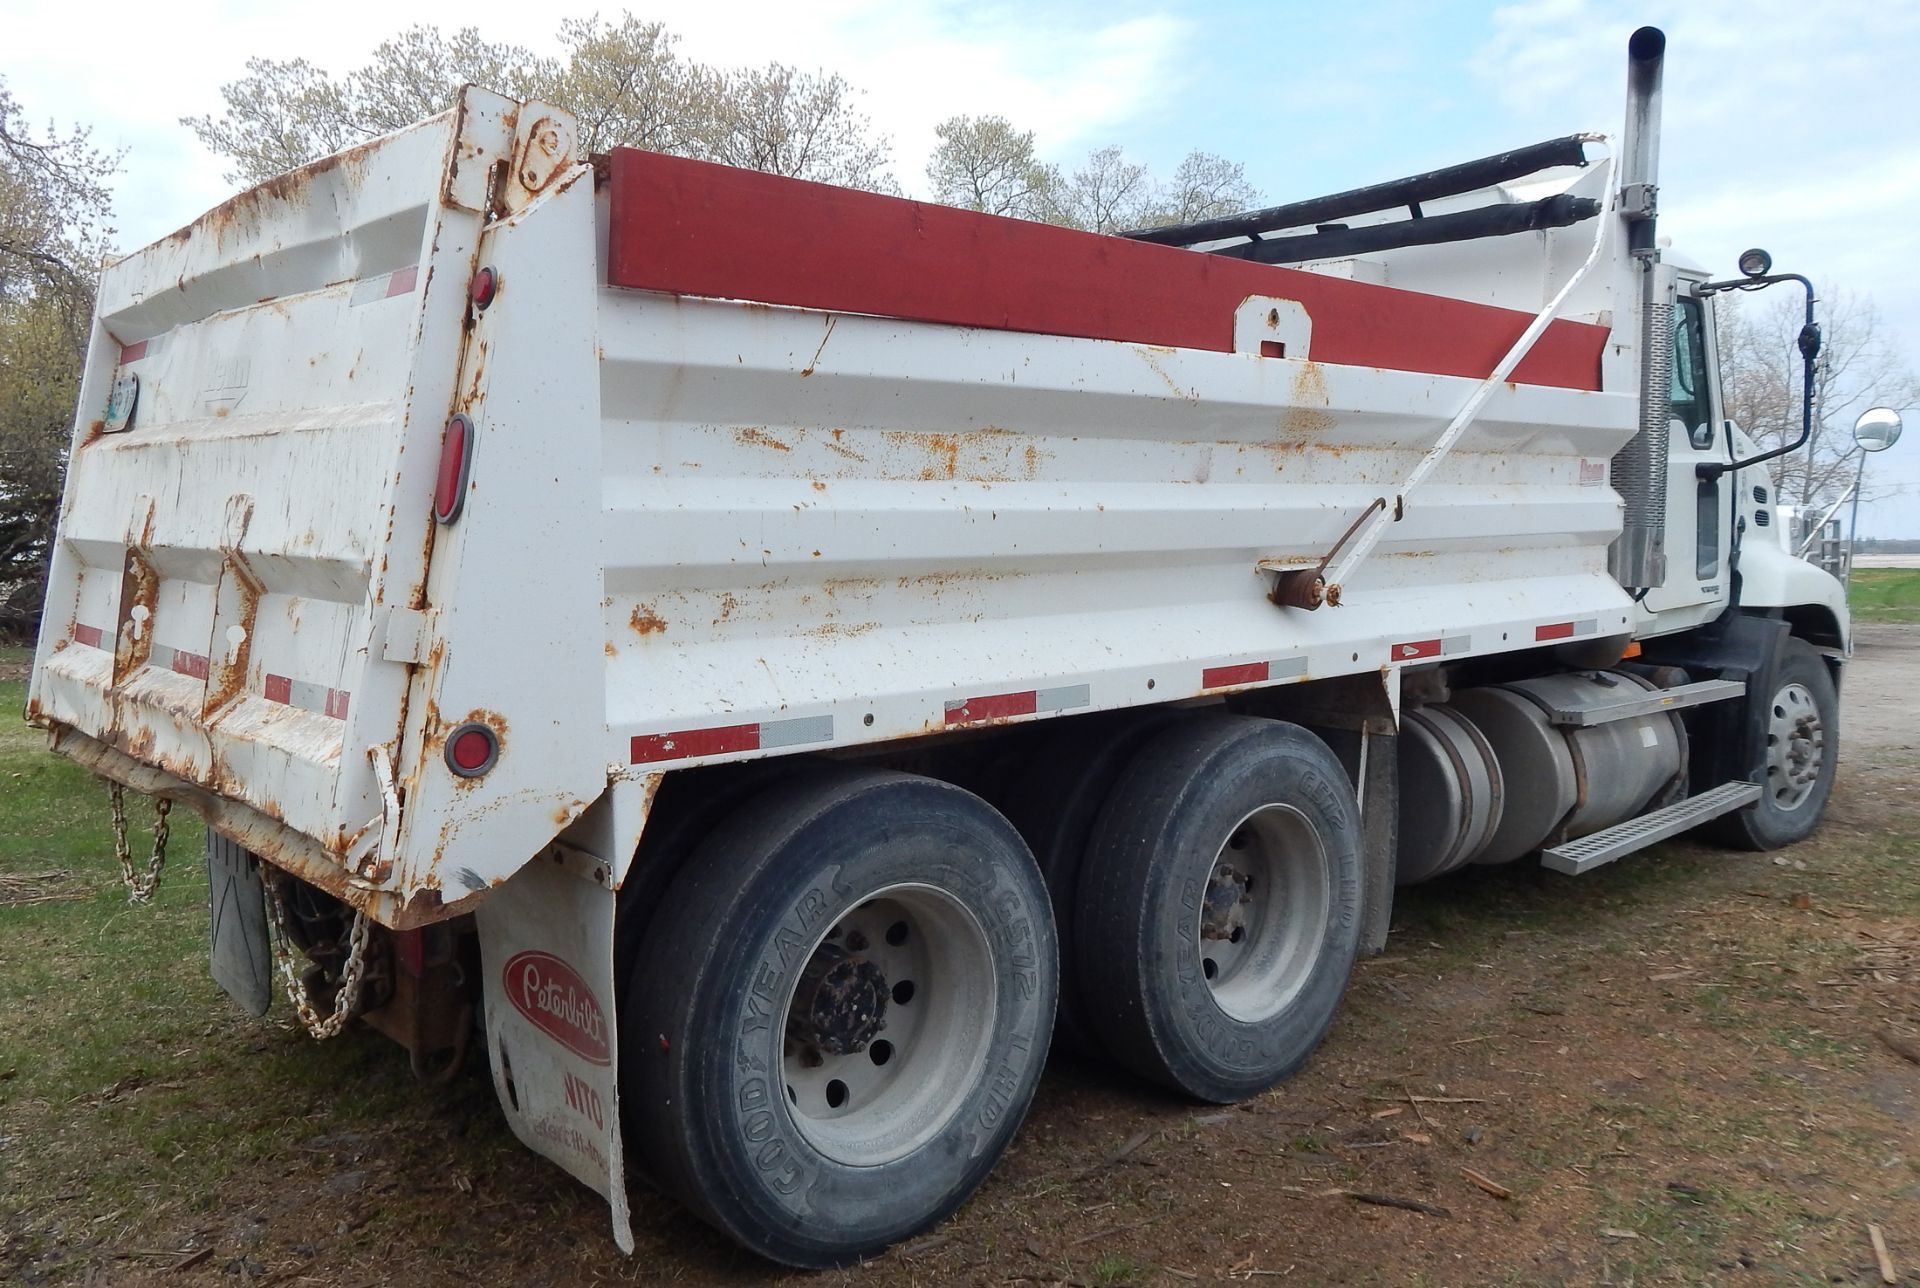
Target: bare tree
{"x":53,"y":233}
{"x":983,"y":163}
{"x":1204,"y":186}
{"x":1107,"y":194}
{"x":624,"y":81}
{"x":1761,"y":376}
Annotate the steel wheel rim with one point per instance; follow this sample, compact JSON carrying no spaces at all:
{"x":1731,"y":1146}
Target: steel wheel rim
{"x":1796,"y":747}
{"x":1263,"y":914}
{"x":911,"y":1075}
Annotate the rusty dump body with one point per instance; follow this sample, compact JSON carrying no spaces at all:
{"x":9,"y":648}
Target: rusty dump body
{"x":238,"y":608}
{"x":897,"y":472}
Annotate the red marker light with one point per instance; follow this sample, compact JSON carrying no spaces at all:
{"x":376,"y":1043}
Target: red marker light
{"x":472,"y":750}
{"x":456,"y":464}
{"x":485,"y":285}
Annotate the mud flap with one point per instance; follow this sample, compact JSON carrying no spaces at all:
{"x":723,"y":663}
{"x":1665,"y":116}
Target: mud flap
{"x":546,"y":947}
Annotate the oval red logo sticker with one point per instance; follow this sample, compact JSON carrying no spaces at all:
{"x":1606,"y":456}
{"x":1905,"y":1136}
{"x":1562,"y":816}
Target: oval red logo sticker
{"x":551,"y":993}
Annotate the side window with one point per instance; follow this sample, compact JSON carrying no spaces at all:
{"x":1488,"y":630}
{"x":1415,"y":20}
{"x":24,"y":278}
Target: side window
{"x":1691,"y":405}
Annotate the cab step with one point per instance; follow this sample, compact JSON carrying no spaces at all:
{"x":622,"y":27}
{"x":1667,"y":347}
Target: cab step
{"x":1589,"y":852}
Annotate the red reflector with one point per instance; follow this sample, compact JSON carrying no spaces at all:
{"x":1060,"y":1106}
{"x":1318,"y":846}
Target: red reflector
{"x":472,"y":750}
{"x":456,"y":463}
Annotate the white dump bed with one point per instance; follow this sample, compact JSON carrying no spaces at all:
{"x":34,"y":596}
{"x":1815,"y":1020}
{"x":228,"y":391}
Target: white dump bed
{"x":740,"y":495}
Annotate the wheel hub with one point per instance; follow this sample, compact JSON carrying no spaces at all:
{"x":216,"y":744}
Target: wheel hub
{"x":1795,"y":747}
{"x":1224,"y":913}
{"x":840,"y":1002}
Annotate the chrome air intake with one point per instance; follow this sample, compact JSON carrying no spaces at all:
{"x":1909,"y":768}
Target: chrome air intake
{"x":1638,"y":558}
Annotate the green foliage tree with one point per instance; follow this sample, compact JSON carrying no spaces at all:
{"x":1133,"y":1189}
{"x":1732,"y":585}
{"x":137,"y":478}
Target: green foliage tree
{"x":624,"y":80}
{"x":53,"y":233}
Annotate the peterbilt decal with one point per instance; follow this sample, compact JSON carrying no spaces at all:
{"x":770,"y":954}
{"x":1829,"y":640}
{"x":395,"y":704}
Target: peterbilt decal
{"x":552,"y":995}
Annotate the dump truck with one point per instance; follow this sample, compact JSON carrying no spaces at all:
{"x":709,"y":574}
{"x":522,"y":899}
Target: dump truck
{"x":769,"y":662}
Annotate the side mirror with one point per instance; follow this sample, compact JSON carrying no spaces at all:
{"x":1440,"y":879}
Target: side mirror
{"x":1877,"y":429}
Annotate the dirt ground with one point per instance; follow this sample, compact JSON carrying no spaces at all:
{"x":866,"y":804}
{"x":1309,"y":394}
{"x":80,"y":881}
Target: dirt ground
{"x":1682,"y":1068}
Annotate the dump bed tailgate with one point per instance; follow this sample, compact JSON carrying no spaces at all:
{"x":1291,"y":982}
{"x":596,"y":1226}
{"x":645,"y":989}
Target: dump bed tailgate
{"x":246,"y":527}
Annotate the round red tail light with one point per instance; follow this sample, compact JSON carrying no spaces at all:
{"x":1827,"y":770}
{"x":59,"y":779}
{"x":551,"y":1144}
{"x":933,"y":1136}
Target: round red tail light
{"x":482,"y":289}
{"x":472,"y":749}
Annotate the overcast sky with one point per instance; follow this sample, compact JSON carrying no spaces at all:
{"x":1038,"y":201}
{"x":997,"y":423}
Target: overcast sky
{"x":1788,"y":125}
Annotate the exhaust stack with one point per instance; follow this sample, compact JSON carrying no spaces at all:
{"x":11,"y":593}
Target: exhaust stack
{"x":1640,"y":469}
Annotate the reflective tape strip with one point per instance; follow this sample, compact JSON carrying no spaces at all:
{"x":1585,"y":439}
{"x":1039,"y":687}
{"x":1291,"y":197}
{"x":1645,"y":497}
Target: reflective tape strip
{"x":721,"y":740}
{"x":179,"y":661}
{"x":1004,"y":706}
{"x":1226,"y":677}
{"x":133,"y":352}
{"x":1564,"y":630}
{"x":91,"y":636}
{"x":400,"y":282}
{"x":306,"y":695}
{"x":1413,"y":649}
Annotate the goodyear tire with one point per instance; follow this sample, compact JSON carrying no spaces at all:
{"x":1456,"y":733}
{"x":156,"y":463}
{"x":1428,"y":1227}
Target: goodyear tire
{"x":1220,"y":907}
{"x":842,"y":1014}
{"x":1793,"y":748}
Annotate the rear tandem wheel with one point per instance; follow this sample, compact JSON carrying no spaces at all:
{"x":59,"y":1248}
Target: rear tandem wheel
{"x":841,"y":1014}
{"x":1220,"y":906}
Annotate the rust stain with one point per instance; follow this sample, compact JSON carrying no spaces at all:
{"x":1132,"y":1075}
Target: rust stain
{"x":834,"y":585}
{"x":752,"y":436}
{"x":645,"y":621}
{"x":819,"y":486}
{"x":832,"y":630}
{"x":610,"y":650}
{"x":813,"y":363}
{"x":728,"y":606}
{"x":288,"y":189}
{"x":1310,"y":384}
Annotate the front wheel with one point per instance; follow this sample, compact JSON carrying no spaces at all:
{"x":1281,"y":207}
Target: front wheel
{"x":1793,"y":746}
{"x":841,"y":1015}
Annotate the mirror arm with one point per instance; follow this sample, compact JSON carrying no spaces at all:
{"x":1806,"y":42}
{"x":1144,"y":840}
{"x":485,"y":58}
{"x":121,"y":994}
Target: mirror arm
{"x":1809,"y":351}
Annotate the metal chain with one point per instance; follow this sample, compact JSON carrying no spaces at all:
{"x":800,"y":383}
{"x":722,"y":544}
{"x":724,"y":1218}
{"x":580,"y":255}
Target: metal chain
{"x":140,"y":887}
{"x":346,"y":1001}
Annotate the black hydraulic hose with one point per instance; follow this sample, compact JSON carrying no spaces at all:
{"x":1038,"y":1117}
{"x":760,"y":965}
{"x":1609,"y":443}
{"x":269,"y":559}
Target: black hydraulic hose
{"x":1468,"y":176}
{"x":1466,"y":225}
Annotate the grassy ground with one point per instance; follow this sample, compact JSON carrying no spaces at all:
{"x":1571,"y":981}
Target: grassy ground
{"x":1677,"y":1065}
{"x":1886,"y":594}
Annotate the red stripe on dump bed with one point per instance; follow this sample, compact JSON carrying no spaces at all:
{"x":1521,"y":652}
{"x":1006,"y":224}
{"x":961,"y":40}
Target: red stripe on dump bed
{"x":695,"y":228}
{"x":695,"y":742}
{"x":88,"y":635}
{"x":279,"y":688}
{"x":1557,"y":631}
{"x":1220,"y":677}
{"x":190,"y":664}
{"x":995,"y":706}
